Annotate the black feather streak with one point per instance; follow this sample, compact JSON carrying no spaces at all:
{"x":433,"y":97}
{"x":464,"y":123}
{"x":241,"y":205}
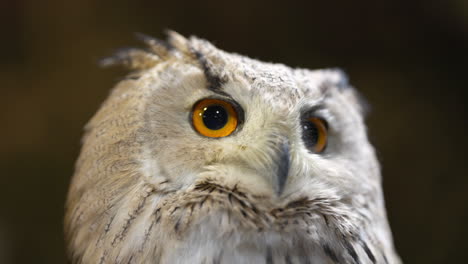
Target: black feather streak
{"x":268,"y":256}
{"x":203,"y":201}
{"x":176,"y":226}
{"x":385,"y":258}
{"x":329,"y":252}
{"x":214,"y":81}
{"x":368,"y":251}
{"x":352,"y":252}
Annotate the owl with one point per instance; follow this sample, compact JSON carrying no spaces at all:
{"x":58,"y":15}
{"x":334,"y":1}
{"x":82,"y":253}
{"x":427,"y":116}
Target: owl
{"x":205,"y":156}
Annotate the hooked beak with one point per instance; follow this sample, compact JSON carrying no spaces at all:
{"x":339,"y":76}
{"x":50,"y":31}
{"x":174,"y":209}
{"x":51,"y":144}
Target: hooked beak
{"x":283,"y":166}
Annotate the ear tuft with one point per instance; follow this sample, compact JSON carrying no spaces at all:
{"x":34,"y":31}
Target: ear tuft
{"x":156,"y":51}
{"x":179,"y":42}
{"x":158,"y":47}
{"x":135,"y":59}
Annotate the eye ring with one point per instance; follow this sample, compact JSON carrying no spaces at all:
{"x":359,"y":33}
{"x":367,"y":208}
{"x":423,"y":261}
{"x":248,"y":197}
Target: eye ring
{"x":315,"y":134}
{"x":214,"y":118}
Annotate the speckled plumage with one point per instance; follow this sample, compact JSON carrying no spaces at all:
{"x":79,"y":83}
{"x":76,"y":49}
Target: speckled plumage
{"x":149,"y":189}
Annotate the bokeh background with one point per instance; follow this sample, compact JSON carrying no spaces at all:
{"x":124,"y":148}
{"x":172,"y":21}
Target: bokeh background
{"x":408,"y":58}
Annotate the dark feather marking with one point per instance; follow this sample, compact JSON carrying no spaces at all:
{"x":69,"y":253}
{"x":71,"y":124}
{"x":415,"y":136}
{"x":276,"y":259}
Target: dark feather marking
{"x":175,"y":209}
{"x":117,"y":257}
{"x":191,"y":208}
{"x":217,"y":259}
{"x":368,"y":251}
{"x":298,"y":203}
{"x":241,"y":194}
{"x":233,"y":194}
{"x":157,"y":214}
{"x":385,"y":258}
{"x":106,"y":229}
{"x":243,"y":213}
{"x":287,"y":259}
{"x":177,"y":224}
{"x":203,"y":201}
{"x":279,"y":216}
{"x":102,"y":259}
{"x":215,"y":82}
{"x":130,"y":259}
{"x":212,"y":189}
{"x":241,"y":203}
{"x":203,"y":187}
{"x":329,"y":252}
{"x":146,"y":235}
{"x":268,"y":256}
{"x":326,"y":219}
{"x":352,"y":252}
{"x":134,"y":214}
{"x":148,"y":231}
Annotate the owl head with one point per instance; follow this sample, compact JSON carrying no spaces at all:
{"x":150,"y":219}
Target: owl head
{"x":199,"y":149}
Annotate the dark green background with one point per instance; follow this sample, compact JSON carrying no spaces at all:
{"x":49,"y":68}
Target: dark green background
{"x":408,"y":58}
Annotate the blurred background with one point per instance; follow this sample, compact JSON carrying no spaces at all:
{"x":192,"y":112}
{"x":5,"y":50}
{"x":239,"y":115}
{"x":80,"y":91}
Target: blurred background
{"x":408,"y":58}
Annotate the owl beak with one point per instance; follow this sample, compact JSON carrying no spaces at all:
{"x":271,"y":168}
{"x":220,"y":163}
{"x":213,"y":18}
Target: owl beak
{"x":283,"y":166}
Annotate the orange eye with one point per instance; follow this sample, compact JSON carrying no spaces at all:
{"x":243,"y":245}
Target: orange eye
{"x":315,"y":134}
{"x":214,"y":118}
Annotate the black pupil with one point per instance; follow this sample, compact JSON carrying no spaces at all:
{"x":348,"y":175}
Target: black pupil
{"x":215,"y":117}
{"x":310,"y":134}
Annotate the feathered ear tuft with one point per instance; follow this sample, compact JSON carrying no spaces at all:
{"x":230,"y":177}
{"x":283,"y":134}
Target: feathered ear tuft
{"x":156,"y":51}
{"x":179,"y":43}
{"x":160,"y":48}
{"x":134,"y":59}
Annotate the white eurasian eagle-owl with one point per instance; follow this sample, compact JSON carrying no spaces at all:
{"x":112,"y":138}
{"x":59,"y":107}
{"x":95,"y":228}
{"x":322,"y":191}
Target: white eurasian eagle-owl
{"x":204,"y":156}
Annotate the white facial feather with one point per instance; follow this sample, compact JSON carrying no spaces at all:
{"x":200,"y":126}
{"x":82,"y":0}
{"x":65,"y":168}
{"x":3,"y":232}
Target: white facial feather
{"x":149,"y":188}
